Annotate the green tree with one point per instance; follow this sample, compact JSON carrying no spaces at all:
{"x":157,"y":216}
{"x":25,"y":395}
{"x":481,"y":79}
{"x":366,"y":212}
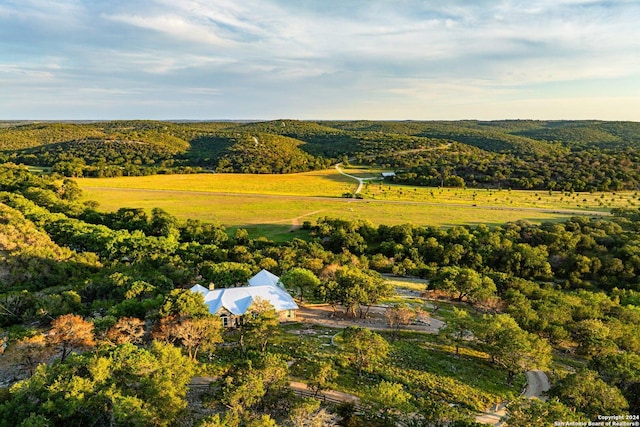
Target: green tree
{"x":389,"y":402}
{"x":357,"y":288}
{"x":242,"y":391}
{"x":321,"y":376}
{"x":593,"y":339}
{"x":241,"y":236}
{"x":465,"y":283}
{"x":122,"y":385}
{"x":586,"y":392}
{"x":511,"y":347}
{"x":225,"y":274}
{"x":364,"y":347}
{"x":458,"y":327}
{"x":228,"y":419}
{"x":524,"y":412}
{"x":184,"y":303}
{"x":162,"y":224}
{"x":129,"y":219}
{"x":250,"y":389}
{"x":308,"y":413}
{"x":529,"y":262}
{"x":70,"y":190}
{"x":302,"y":280}
{"x":166,"y":388}
{"x":261,"y":421}
{"x":259,"y":325}
{"x":621,"y":369}
{"x":274,"y":371}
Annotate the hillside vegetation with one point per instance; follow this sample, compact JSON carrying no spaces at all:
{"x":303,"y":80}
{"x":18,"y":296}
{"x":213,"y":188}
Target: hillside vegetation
{"x":98,"y":325}
{"x":518,"y":154}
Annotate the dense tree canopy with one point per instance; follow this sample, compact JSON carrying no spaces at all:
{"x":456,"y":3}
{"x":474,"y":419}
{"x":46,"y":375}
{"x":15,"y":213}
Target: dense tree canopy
{"x":567,"y":156}
{"x":111,"y":387}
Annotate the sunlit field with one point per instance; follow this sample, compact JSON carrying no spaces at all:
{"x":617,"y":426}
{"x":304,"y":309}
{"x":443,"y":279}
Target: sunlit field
{"x":233,"y":209}
{"x":326,"y":183}
{"x":276,"y":204}
{"x":597,"y":201}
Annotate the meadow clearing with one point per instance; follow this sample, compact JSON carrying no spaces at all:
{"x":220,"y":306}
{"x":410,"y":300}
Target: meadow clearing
{"x":273,"y":204}
{"x":326,"y":183}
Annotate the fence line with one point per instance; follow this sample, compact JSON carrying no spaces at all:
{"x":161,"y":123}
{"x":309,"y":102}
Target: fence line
{"x":324,"y":398}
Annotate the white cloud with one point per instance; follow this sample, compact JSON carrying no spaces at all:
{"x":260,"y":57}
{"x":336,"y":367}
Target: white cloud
{"x":359,"y":56}
{"x":28,"y":75}
{"x":175,"y":26}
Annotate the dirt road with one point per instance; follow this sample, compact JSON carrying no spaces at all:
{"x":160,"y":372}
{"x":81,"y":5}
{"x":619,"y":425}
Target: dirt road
{"x":537,"y":386}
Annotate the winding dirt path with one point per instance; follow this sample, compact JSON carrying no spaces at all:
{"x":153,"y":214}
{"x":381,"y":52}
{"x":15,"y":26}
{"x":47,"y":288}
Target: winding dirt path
{"x":360,"y":180}
{"x":537,"y":386}
{"x":295,"y":222}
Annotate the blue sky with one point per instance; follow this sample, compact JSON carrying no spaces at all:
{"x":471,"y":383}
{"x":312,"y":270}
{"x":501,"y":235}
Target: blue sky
{"x":321,"y":59}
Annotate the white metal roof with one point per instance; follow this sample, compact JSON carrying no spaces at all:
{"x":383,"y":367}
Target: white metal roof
{"x":265,"y":277}
{"x":238,"y":300}
{"x":199,"y":288}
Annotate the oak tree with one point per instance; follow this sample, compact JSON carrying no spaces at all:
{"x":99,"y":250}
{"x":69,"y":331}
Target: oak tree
{"x":70,"y":333}
{"x":364,"y":347}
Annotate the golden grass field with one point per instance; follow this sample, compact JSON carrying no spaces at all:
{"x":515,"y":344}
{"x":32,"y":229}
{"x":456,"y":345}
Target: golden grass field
{"x":275,"y":203}
{"x":597,"y":201}
{"x":327,"y":183}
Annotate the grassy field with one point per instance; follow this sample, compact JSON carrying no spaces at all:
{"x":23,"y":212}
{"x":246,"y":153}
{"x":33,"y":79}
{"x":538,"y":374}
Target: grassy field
{"x":597,"y":201}
{"x":326,"y":183}
{"x":274,"y":204}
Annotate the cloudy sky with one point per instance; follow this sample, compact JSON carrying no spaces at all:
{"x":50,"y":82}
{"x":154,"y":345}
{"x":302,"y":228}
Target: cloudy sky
{"x":319,"y":59}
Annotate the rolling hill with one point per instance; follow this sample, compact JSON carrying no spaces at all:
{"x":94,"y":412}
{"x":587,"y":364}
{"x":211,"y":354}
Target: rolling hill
{"x":565,"y":155}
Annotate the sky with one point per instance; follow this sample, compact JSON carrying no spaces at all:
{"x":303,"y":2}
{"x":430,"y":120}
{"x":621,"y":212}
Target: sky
{"x":319,"y":59}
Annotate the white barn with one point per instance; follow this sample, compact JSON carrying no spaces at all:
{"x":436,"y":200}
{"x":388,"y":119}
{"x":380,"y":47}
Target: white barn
{"x":231,"y":303}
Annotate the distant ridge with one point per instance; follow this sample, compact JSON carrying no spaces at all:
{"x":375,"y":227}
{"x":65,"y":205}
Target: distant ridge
{"x":564,"y":155}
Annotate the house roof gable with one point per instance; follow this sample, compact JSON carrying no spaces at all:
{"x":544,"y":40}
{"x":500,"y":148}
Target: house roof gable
{"x":265,"y":277}
{"x":238,"y":300}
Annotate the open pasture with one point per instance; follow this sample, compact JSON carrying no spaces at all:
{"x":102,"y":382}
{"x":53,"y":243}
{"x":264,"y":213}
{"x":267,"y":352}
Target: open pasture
{"x":273,"y":205}
{"x":326,"y":183}
{"x":539,"y":199}
{"x":248,"y":209}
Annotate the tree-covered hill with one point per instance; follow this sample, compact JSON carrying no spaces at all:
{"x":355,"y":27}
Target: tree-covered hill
{"x":525,"y":154}
{"x":36,"y":135}
{"x":267,"y":153}
{"x":496,"y":136}
{"x":492,"y":140}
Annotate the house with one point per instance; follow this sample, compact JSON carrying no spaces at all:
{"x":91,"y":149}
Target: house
{"x":388,"y":174}
{"x":232,"y":303}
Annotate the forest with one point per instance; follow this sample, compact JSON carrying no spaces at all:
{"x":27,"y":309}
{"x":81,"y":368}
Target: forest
{"x":517,"y":154}
{"x":98,"y":326}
